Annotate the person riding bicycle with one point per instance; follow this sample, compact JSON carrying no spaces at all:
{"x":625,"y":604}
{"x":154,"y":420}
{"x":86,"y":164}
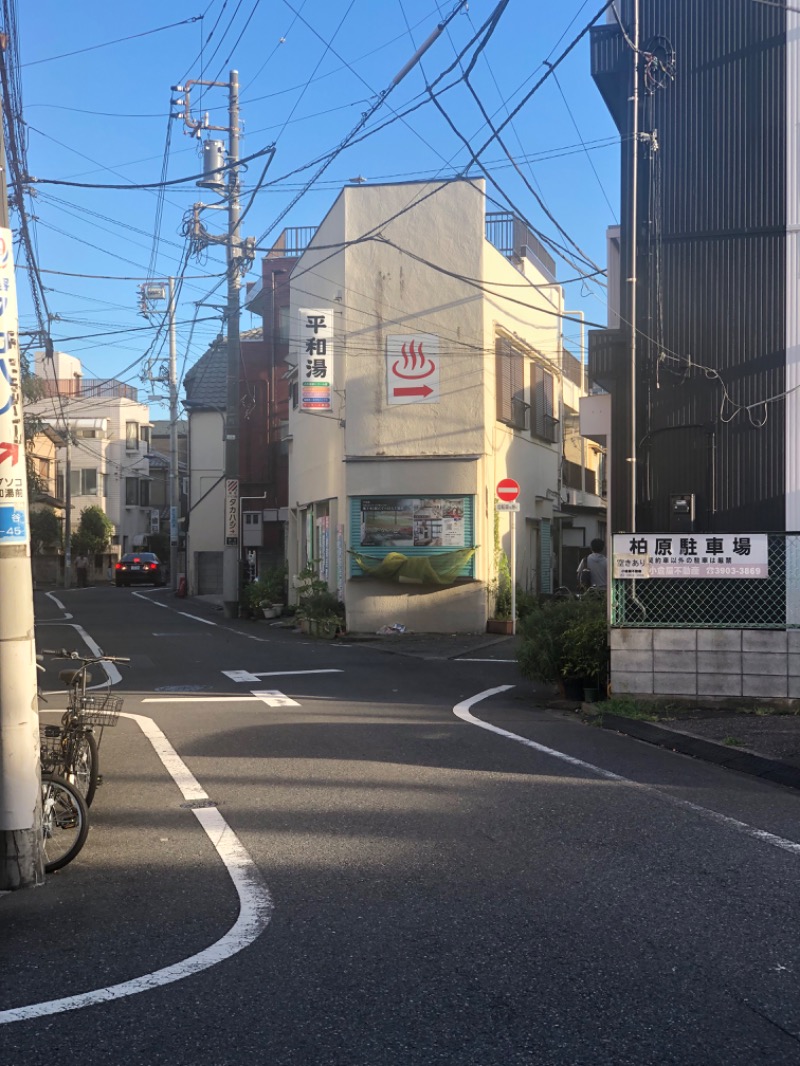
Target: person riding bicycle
{"x":593,"y":569}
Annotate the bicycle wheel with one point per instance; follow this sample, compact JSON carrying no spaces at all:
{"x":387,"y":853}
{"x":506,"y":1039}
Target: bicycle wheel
{"x":84,"y":767}
{"x":65,"y":822}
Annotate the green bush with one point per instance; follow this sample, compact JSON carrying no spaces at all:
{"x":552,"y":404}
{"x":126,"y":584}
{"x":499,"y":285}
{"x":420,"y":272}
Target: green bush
{"x":565,"y":638}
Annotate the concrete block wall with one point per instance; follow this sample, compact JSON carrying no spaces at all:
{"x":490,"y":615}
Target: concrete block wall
{"x":722,"y":663}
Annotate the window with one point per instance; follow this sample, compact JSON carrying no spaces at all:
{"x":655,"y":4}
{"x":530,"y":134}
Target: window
{"x":132,"y":436}
{"x":510,"y":384}
{"x":83,"y":482}
{"x":144,"y":436}
{"x":144,"y":493}
{"x":105,"y":484}
{"x":131,"y":491}
{"x":543,"y":423}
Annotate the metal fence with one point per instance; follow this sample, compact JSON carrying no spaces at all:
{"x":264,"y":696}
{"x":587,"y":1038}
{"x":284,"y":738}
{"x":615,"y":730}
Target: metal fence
{"x":715,"y":603}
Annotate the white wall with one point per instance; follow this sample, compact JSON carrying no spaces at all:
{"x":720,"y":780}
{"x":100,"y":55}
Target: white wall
{"x":206,"y":466}
{"x":368,"y":446}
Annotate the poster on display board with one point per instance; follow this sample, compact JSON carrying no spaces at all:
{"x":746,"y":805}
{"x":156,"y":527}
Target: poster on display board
{"x":418,"y":522}
{"x":13,"y":478}
{"x":682,"y":555}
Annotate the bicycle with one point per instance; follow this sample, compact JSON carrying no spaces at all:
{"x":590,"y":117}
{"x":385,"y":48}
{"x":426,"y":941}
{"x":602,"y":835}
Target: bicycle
{"x":71,"y":749}
{"x":65,"y":822}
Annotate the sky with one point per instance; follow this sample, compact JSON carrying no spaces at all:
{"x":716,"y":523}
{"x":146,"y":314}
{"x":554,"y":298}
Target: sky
{"x":94,"y":84}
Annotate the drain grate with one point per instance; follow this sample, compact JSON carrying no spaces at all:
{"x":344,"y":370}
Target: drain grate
{"x":195,"y":805}
{"x":183,"y":688}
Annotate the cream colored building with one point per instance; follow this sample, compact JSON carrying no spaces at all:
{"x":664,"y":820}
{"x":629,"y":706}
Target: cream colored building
{"x":110,"y":434}
{"x":400,"y":292}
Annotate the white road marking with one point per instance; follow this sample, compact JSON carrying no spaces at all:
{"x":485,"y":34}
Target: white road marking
{"x":464,"y":659}
{"x":52,"y":596}
{"x":255,"y":901}
{"x":194,"y":617}
{"x":197,"y":699}
{"x":273,"y":697}
{"x":245,"y":675}
{"x":462,"y":711}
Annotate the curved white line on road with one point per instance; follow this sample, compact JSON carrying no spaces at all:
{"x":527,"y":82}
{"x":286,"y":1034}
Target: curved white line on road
{"x":462,"y":711}
{"x":58,"y":603}
{"x":255,"y":901}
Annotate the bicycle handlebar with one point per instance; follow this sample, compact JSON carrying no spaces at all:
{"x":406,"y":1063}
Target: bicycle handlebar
{"x":62,"y":653}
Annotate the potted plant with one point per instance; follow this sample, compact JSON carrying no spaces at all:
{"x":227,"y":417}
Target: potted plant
{"x":266,"y":595}
{"x":565,"y":642}
{"x":321,"y":613}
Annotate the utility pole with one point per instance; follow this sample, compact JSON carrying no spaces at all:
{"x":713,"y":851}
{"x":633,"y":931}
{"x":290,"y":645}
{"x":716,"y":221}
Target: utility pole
{"x":147,"y":294}
{"x":21,"y":854}
{"x":230,"y":557}
{"x":67,"y":505}
{"x":633,"y":254}
{"x":239,"y":255}
{"x":174,"y":485}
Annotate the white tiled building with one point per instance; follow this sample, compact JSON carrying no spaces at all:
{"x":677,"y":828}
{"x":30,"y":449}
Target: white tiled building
{"x":110,"y":431}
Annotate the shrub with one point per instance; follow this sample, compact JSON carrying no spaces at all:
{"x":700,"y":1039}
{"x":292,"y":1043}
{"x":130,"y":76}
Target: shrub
{"x":565,"y":638}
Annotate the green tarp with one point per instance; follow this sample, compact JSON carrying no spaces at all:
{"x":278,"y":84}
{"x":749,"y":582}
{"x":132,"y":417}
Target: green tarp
{"x":441,"y":569}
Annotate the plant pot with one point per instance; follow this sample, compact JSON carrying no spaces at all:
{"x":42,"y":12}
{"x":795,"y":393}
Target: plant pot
{"x":500,"y":625}
{"x":571,"y":688}
{"x":273,"y":611}
{"x":591,"y":695}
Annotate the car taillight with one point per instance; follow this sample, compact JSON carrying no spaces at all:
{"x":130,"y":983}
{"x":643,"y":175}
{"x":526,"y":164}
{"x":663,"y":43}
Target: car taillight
{"x":146,"y":566}
{"x":118,"y":566}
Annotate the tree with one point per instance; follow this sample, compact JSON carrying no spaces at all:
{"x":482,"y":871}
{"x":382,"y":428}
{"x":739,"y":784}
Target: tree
{"x":45,"y":530}
{"x":93,"y":535}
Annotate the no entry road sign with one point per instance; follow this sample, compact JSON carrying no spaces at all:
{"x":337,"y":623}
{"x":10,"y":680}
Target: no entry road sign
{"x":507,"y":489}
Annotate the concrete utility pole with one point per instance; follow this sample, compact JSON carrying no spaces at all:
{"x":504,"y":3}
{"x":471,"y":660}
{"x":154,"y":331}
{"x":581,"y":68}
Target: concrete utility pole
{"x":230,"y":557}
{"x":21,"y":855}
{"x":67,"y":504}
{"x":238,"y":254}
{"x":174,"y":484}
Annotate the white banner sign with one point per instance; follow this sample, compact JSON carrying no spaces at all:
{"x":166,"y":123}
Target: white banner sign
{"x":231,"y":511}
{"x":708,"y":555}
{"x":13,"y":480}
{"x":316,"y":358}
{"x":412,"y":368}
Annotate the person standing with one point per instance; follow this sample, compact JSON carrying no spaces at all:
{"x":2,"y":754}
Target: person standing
{"x":593,"y":570}
{"x":82,"y":569}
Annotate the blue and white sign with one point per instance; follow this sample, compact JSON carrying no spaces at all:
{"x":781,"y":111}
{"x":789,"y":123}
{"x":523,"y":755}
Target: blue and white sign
{"x":13,"y":480}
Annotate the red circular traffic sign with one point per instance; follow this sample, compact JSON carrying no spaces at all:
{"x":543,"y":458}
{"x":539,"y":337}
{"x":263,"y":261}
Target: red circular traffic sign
{"x":507,"y":489}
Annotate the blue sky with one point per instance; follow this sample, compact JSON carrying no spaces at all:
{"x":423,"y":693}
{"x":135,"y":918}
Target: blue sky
{"x":308,"y":69}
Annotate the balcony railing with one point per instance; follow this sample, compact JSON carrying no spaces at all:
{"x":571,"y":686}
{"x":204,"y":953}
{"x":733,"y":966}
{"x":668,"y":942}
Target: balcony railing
{"x":292,"y":242}
{"x":512,"y":238}
{"x":89,"y":387}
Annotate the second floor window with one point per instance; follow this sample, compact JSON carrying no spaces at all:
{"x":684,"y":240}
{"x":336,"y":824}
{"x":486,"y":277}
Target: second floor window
{"x":131,"y":491}
{"x":83,"y":482}
{"x":132,"y":436}
{"x":544,"y":424}
{"x":510,"y":384}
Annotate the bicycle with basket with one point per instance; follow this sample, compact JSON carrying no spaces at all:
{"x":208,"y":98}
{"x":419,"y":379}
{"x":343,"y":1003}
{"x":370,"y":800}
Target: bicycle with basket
{"x":71,"y":749}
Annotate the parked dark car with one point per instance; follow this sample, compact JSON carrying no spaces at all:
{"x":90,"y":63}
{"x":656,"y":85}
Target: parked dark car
{"x":142,"y":568}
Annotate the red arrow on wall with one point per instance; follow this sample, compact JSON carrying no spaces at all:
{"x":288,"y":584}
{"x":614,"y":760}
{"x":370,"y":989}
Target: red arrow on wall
{"x":9,"y":451}
{"x":420,"y":390}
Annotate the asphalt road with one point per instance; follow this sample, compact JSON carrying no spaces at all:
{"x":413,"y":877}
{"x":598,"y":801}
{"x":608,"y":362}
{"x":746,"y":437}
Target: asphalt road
{"x":369,"y":875}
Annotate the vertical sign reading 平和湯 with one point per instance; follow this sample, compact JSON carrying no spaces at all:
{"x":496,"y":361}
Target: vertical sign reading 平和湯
{"x":316,"y":358}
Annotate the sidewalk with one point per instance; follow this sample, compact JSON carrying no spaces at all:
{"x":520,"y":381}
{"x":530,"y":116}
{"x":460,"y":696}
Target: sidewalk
{"x":763,"y":745}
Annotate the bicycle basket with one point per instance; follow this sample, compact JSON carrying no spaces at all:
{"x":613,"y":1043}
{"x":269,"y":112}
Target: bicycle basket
{"x":51,"y":750}
{"x":100,"y":710}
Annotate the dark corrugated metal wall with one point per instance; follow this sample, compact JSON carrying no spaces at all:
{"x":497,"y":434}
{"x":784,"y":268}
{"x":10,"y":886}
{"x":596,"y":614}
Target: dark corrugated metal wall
{"x":711,"y":264}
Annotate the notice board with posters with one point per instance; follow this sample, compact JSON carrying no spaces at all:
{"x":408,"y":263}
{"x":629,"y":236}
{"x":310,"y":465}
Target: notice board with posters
{"x":412,"y":525}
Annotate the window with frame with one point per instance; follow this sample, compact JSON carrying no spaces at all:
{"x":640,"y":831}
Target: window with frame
{"x":144,"y":492}
{"x":131,"y":491}
{"x":510,"y":384}
{"x":132,"y":436}
{"x":83,"y":482}
{"x":144,"y":437}
{"x":544,"y":424}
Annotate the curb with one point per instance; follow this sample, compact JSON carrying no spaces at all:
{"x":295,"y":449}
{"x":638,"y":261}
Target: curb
{"x":779,"y":773}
